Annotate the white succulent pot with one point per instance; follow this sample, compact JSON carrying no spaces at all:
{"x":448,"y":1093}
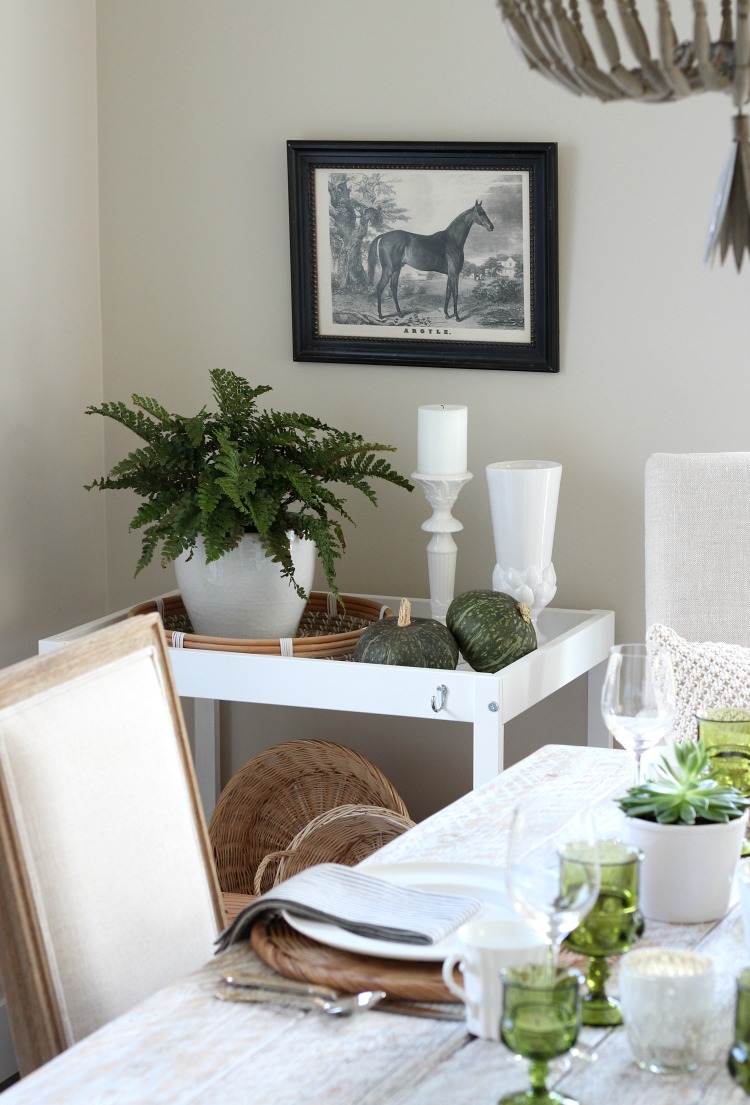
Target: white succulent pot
{"x":243,"y":594}
{"x":687,"y":870}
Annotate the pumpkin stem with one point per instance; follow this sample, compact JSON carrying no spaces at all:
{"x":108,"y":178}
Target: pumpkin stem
{"x":404,"y":613}
{"x":525,"y":611}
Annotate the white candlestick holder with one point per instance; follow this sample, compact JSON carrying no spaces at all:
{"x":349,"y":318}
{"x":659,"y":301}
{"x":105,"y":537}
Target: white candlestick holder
{"x":441,"y":493}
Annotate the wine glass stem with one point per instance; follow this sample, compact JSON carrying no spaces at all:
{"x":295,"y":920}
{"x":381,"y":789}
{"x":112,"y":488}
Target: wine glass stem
{"x":538,"y":1071}
{"x":637,"y":758}
{"x":597,"y":973}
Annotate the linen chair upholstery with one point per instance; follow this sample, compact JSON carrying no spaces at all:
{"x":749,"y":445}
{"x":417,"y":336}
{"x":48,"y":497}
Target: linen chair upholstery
{"x":107,"y":885}
{"x":697,"y":539}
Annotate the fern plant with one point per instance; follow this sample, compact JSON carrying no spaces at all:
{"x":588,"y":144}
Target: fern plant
{"x":683,"y":791}
{"x":239,"y":469}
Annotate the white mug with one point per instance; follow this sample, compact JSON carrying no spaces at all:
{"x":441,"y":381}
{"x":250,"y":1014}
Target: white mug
{"x":484,"y":948}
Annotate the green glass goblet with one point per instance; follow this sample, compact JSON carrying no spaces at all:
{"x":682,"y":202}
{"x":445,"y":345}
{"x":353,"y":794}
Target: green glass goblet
{"x":725,"y":735}
{"x":739,"y":1055}
{"x":610,"y":928}
{"x":540,"y":1020}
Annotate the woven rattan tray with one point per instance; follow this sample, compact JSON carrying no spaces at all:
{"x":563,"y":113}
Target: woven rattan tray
{"x":296,"y":956}
{"x":325,"y":632}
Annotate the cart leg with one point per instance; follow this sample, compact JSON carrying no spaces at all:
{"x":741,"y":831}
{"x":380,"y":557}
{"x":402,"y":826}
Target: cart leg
{"x":207,"y":752}
{"x":489,"y":735}
{"x":598,"y":736}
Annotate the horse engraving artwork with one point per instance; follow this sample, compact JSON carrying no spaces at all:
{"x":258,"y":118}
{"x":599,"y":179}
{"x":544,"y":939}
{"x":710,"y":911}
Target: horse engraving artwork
{"x":440,"y":252}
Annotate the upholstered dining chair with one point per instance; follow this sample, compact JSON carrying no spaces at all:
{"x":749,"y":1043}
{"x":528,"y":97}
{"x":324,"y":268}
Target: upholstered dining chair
{"x":108,"y":889}
{"x":697,"y":535}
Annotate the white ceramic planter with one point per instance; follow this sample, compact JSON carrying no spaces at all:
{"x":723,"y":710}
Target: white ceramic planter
{"x":687,"y":870}
{"x":242,"y":594}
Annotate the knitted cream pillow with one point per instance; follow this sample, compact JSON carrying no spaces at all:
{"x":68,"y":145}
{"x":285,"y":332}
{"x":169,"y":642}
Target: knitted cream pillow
{"x":707,"y":674}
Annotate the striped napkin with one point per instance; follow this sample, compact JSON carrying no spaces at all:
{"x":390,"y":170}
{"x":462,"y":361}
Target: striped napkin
{"x":359,"y":903}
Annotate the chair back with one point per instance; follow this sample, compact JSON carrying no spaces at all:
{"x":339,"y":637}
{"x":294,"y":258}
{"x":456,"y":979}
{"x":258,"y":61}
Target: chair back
{"x":697,"y":539}
{"x":107,"y":886}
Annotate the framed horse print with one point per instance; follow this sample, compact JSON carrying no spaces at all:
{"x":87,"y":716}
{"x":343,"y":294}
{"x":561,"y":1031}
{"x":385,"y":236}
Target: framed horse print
{"x":427,"y":254}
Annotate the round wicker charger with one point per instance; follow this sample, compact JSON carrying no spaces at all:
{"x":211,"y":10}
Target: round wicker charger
{"x":278,"y":793}
{"x":296,"y":956}
{"x":325,"y":632}
{"x":345,"y":834}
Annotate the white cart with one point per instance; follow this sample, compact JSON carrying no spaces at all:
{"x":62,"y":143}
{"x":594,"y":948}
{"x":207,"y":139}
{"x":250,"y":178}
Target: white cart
{"x":576,"y":642}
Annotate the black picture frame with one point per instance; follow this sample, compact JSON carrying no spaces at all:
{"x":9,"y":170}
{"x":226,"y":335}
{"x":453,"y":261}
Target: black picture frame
{"x":345,"y":193}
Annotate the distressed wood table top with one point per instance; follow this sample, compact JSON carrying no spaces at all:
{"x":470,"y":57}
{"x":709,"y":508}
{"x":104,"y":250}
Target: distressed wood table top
{"x":182,"y":1046}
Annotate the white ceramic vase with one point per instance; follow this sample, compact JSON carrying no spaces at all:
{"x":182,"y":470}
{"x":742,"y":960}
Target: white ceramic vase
{"x":687,"y":870}
{"x":243,"y":594}
{"x":523,"y":505}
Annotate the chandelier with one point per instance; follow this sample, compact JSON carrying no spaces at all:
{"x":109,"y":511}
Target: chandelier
{"x":556,"y":41}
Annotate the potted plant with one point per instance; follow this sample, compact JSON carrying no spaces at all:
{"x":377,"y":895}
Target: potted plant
{"x":690,"y":829}
{"x":241,"y":487}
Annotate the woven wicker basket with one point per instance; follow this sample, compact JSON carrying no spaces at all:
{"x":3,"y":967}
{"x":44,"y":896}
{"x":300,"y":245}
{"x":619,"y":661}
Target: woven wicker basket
{"x":325,"y":632}
{"x":276,"y":794}
{"x":346,"y":834}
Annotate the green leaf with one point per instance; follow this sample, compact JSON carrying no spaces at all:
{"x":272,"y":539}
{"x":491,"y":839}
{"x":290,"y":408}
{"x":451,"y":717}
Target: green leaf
{"x":684,"y":791}
{"x":240,"y":469}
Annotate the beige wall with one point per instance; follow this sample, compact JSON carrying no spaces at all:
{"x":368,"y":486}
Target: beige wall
{"x":196,"y":102}
{"x":52,"y":555}
{"x":197,"y":99}
{"x":51,"y":532}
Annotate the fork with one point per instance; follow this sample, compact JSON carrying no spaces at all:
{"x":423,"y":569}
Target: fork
{"x":339,"y":1006}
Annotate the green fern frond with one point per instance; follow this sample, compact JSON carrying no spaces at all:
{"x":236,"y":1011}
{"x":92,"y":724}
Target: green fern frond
{"x":146,"y":513}
{"x":152,"y":407}
{"x":234,"y":396}
{"x":239,"y":469}
{"x":210,"y":493}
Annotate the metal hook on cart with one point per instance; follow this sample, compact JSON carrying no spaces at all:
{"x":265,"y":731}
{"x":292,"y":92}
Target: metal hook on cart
{"x":438,"y":699}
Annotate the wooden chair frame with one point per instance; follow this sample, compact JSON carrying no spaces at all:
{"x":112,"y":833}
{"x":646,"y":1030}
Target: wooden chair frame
{"x":34,"y":1012}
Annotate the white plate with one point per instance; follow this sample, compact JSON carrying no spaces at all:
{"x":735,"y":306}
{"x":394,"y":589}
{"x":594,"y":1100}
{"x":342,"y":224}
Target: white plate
{"x":467,"y":879}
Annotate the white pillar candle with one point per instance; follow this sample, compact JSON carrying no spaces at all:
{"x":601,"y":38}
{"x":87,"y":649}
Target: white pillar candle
{"x":441,"y":440}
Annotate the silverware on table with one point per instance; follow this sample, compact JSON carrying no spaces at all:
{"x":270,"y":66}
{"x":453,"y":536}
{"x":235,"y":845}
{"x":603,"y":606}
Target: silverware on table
{"x":245,"y":979}
{"x":342,"y":1006}
{"x":441,"y":1011}
{"x":244,"y":986}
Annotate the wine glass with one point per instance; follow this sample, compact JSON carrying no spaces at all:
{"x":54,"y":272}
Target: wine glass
{"x":611,"y":927}
{"x":638,"y":699}
{"x":540,"y":1020}
{"x":542,"y":834}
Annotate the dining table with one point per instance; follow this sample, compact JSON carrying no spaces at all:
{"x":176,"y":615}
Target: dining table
{"x":182,"y":1046}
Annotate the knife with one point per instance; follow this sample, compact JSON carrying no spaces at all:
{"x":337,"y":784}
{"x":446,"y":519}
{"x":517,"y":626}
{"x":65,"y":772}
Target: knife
{"x":245,"y":980}
{"x":440,"y":1012}
{"x":240,"y":982}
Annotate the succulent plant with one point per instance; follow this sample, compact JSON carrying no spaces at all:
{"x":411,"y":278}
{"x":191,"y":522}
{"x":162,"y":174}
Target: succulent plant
{"x":683,"y":791}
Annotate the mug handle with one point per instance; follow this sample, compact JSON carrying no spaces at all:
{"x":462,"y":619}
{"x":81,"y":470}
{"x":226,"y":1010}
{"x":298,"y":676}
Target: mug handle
{"x":448,"y":966}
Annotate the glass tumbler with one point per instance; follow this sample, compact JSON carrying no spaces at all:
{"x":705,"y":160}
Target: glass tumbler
{"x":725,"y":735}
{"x":739,"y":1056}
{"x":667,"y":999}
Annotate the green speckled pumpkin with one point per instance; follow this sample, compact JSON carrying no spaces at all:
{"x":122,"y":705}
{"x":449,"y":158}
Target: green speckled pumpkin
{"x":407,"y":642}
{"x":492,"y":629}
